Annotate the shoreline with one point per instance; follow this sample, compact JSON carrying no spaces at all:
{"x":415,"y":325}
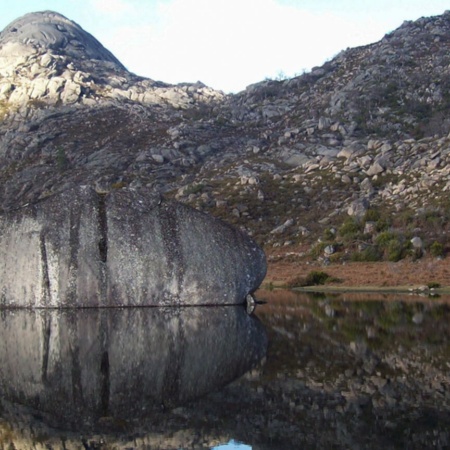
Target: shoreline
{"x":375,"y":289}
{"x":405,"y":276}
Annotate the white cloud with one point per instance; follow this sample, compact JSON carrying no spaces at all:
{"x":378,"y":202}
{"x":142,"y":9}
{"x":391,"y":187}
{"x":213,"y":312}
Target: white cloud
{"x":229,"y":44}
{"x":112,"y":7}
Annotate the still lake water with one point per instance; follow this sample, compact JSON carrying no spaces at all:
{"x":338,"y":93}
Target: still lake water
{"x":303,"y":371}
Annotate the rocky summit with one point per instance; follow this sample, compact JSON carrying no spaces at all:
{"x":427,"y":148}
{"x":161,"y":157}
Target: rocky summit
{"x":347,"y":161}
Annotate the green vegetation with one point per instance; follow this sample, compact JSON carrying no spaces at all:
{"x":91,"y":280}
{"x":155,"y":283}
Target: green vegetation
{"x":437,"y":249}
{"x":350,"y":229}
{"x":119,"y":185}
{"x":369,"y":254}
{"x":61,"y":159}
{"x":194,"y":189}
{"x":314,"y":278}
{"x":393,"y":245}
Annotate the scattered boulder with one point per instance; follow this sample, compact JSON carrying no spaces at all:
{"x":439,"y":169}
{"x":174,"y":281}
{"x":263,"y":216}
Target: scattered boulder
{"x":358,"y":208}
{"x":375,"y":169}
{"x":282,"y":228}
{"x":417,"y":243}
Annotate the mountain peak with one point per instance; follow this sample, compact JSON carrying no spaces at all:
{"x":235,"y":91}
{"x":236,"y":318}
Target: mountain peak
{"x":47,"y":59}
{"x":50,"y":31}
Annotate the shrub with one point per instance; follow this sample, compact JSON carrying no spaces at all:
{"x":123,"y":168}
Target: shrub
{"x":395,"y":250}
{"x":61,"y":159}
{"x":328,"y":235}
{"x":437,"y":249}
{"x":371,"y":215}
{"x":393,"y":246}
{"x":383,"y":224}
{"x":371,"y":253}
{"x":296,"y":282}
{"x":318,"y":249}
{"x":384,"y":238}
{"x":194,"y":189}
{"x":350,"y":229}
{"x":316,"y":278}
{"x":119,"y":185}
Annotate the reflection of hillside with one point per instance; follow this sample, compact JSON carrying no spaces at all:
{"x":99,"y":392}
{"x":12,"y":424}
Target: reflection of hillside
{"x":330,"y":381}
{"x":383,"y":360}
{"x":86,"y":364}
{"x":345,"y":319}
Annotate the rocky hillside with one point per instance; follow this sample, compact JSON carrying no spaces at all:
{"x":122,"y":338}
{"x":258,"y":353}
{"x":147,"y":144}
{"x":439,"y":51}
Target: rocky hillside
{"x":347,"y":161}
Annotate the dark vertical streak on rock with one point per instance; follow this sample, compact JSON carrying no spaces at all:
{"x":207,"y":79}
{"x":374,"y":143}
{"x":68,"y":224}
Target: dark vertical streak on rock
{"x":77,"y":386}
{"x":103,"y":225}
{"x":103,"y":247}
{"x":45,"y":274}
{"x":172,"y":242}
{"x":104,"y":383}
{"x":46,"y":349}
{"x":74,"y":244}
{"x":172,"y":390}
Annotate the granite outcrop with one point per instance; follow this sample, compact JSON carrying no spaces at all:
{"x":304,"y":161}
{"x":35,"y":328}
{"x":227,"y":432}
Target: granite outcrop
{"x":126,"y":248}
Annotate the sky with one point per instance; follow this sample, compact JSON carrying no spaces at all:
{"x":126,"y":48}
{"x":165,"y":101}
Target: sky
{"x":229,"y":44}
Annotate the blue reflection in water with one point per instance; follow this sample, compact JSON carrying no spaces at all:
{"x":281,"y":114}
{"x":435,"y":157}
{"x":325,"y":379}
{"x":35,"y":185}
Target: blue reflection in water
{"x":232,"y":445}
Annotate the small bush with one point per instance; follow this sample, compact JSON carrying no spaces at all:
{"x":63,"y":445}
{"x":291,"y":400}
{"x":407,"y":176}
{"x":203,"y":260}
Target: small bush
{"x":433,"y":285}
{"x":350,"y":228}
{"x":318,"y":249}
{"x":61,"y":159}
{"x":383,"y":224}
{"x":329,"y":235}
{"x":384,"y":238}
{"x":296,"y":282}
{"x":395,"y":250}
{"x":371,"y":215}
{"x":437,"y":249}
{"x":194,"y":189}
{"x":119,"y":185}
{"x":369,"y":254}
{"x":392,"y":245}
{"x":316,"y":278}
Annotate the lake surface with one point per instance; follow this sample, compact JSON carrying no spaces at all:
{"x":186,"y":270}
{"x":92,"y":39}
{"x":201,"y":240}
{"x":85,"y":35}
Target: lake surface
{"x":303,"y":371}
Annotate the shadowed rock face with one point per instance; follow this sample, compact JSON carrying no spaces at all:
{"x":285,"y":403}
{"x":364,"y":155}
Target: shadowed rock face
{"x":79,"y":248}
{"x":81,"y":365}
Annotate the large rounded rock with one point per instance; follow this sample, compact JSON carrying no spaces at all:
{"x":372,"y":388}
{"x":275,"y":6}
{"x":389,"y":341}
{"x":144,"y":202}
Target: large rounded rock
{"x":132,"y":248}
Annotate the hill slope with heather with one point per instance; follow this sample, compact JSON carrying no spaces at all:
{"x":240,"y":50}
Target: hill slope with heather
{"x":346,"y":162}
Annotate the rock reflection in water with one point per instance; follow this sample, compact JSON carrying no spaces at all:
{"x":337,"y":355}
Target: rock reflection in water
{"x":343,"y":371}
{"x":124,"y":363}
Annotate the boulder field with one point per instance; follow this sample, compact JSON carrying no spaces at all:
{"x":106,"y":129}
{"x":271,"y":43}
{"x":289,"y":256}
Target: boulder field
{"x":79,"y":248}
